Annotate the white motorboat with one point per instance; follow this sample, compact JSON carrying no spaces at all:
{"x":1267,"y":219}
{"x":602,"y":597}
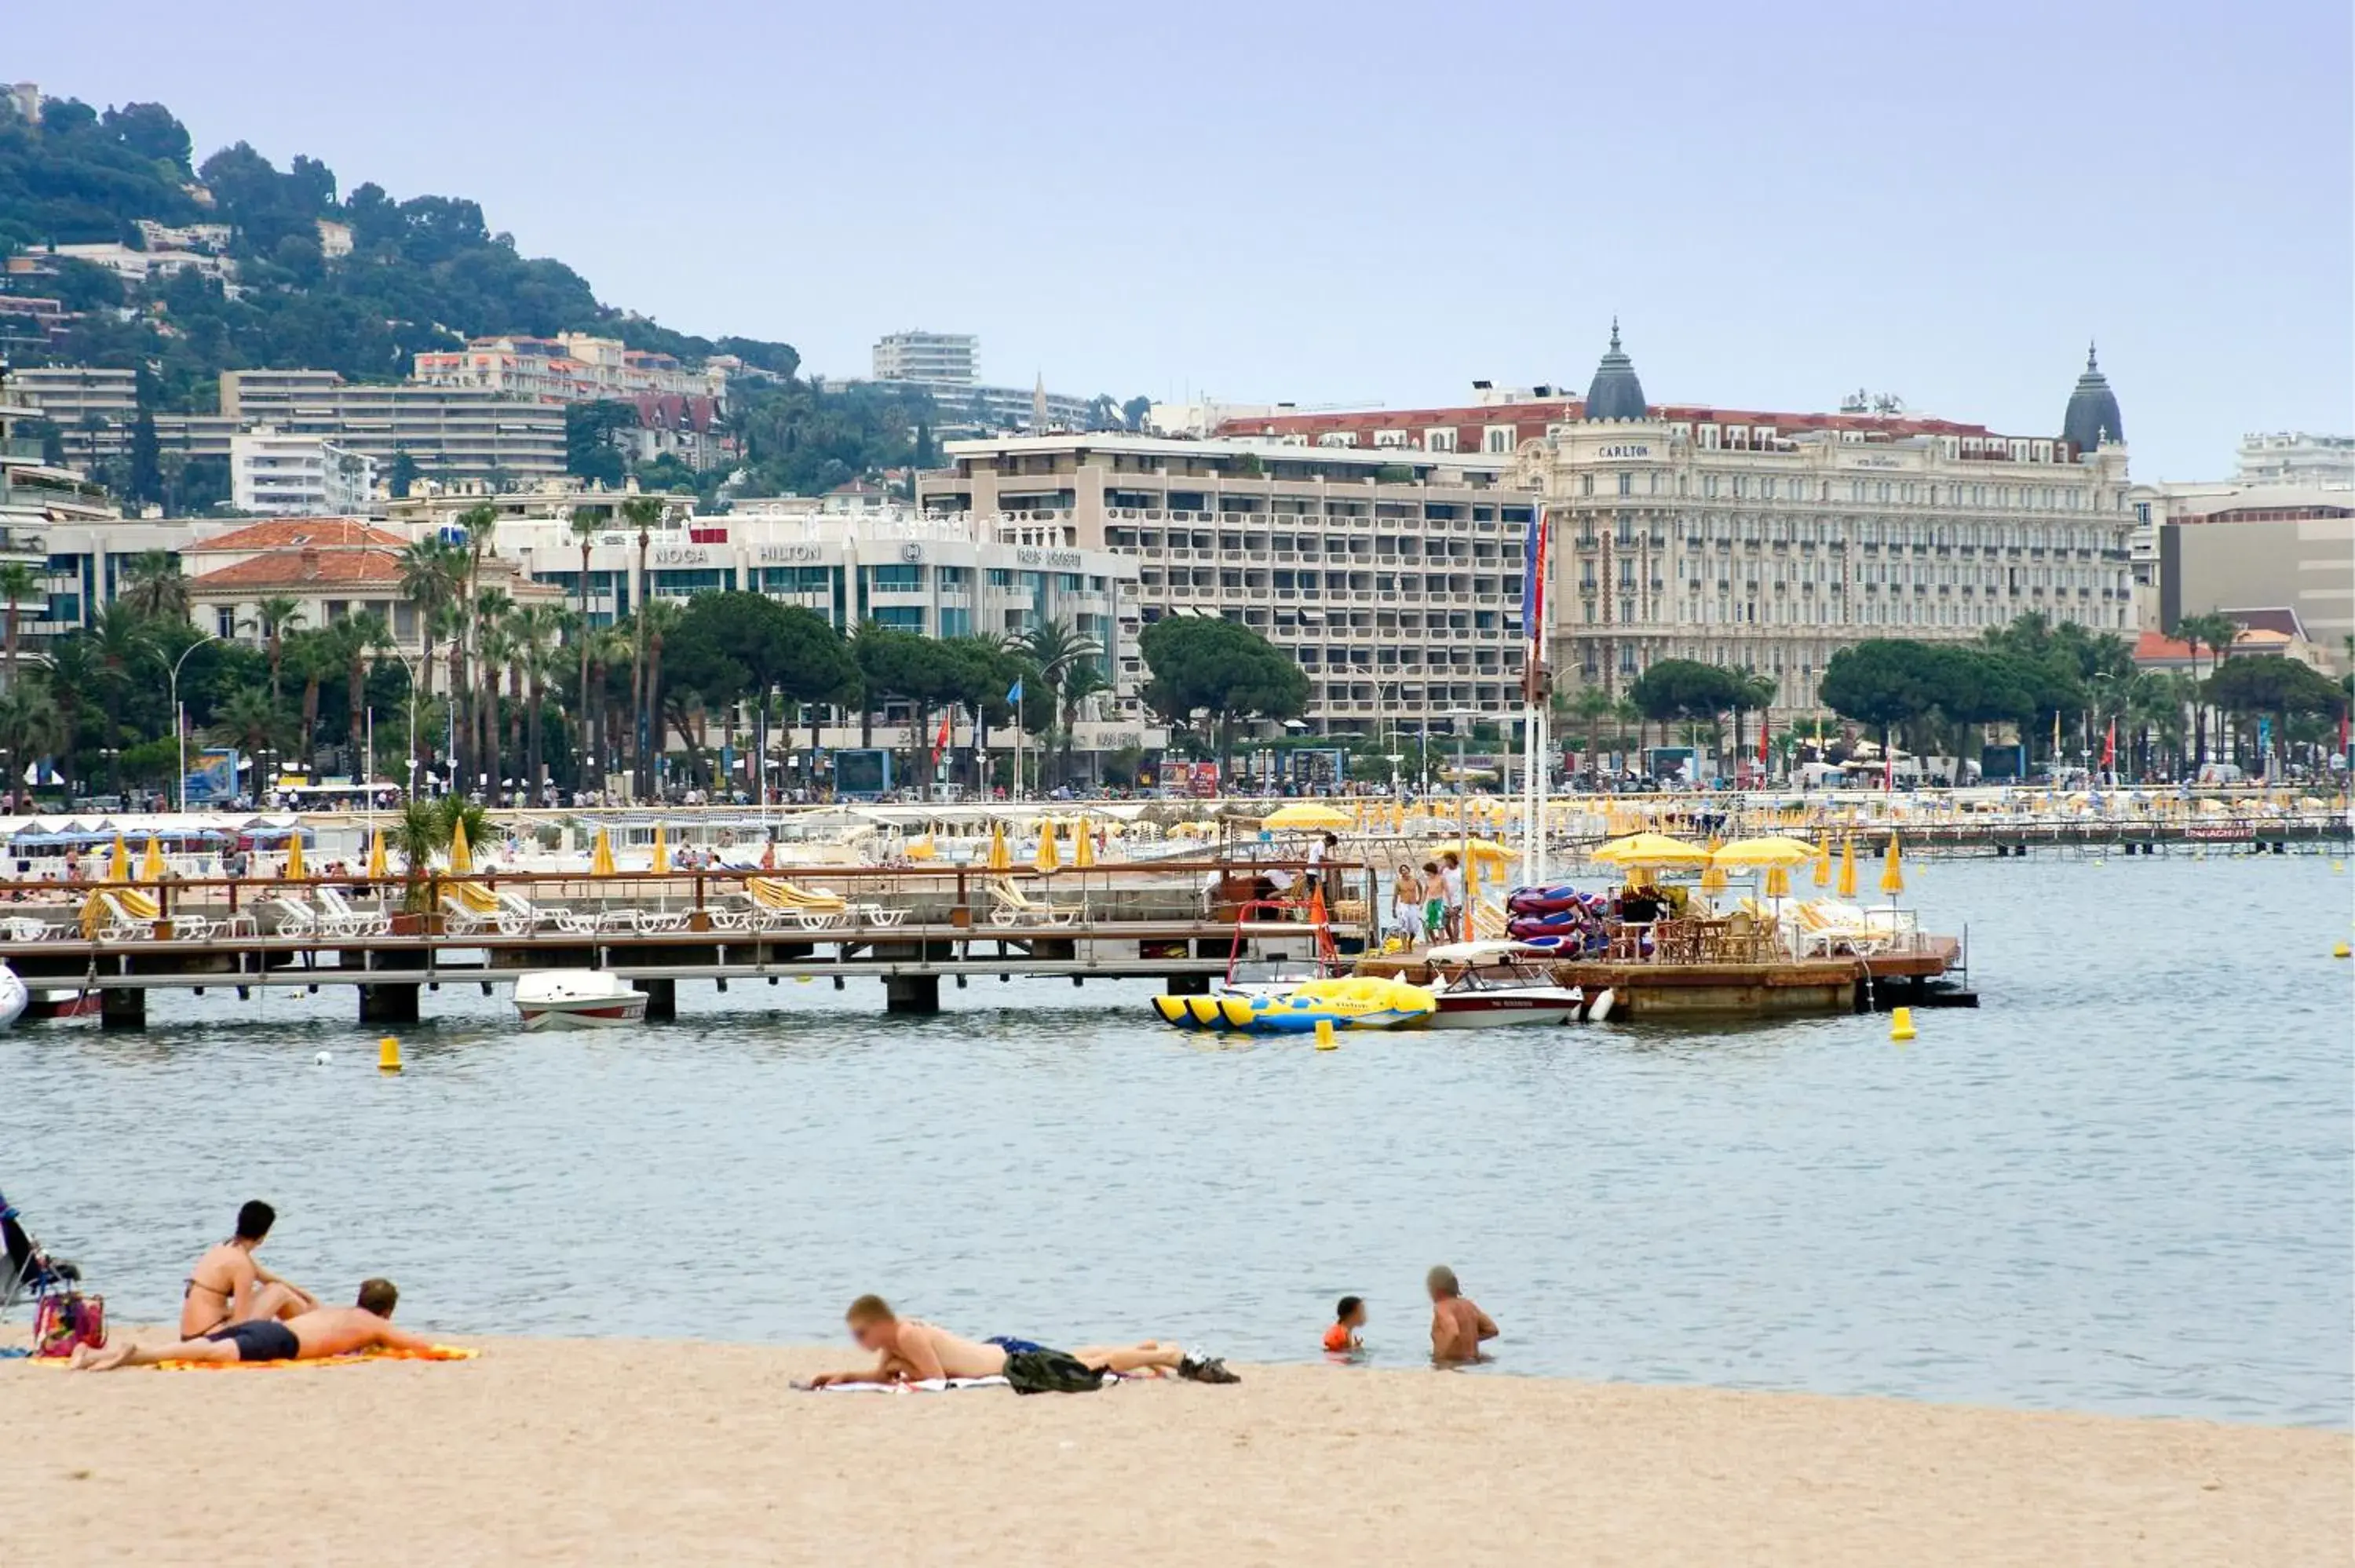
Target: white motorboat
{"x":1496,"y":985}
{"x":577,"y":999}
{"x":13,"y":996}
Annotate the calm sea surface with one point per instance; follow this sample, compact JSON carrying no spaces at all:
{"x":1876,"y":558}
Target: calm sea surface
{"x":2124,"y":1184}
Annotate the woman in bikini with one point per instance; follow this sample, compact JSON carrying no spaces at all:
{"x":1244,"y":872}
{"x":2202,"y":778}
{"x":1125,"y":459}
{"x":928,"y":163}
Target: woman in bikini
{"x":227,"y":1286}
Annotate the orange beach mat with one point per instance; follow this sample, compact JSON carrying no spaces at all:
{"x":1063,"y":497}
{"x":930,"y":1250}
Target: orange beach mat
{"x":432,"y":1353}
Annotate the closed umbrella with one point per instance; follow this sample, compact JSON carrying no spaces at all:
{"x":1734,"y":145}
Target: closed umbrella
{"x":1847,"y":865}
{"x":380,"y":860}
{"x":118,"y":862}
{"x":1083,"y":846}
{"x":1824,"y":863}
{"x":601,"y":856}
{"x":462,"y":859}
{"x":1892,"y":870}
{"x":151,"y":864}
{"x":1050,"y":853}
{"x":1001,"y":858}
{"x":294,"y":854}
{"x":662,"y":851}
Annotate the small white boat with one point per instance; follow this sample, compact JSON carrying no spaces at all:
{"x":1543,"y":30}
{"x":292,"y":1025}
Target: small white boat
{"x":13,"y":997}
{"x":577,"y":999}
{"x":1494,"y":985}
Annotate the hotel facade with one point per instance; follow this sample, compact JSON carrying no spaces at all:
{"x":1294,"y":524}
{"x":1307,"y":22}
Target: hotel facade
{"x":1769,"y":541}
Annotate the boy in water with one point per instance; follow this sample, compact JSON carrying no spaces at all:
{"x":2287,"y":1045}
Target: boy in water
{"x":1349,"y":1317}
{"x":1458,"y":1327}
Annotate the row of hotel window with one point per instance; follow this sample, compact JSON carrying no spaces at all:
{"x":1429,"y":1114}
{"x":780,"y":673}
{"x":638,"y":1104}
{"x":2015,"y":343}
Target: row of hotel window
{"x":899,"y":579}
{"x":1885,"y":491}
{"x":1892,"y":611}
{"x":1624,"y":529}
{"x":1941,"y":573}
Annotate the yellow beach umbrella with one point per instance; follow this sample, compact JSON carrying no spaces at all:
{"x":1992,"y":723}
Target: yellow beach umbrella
{"x":294,"y":854}
{"x":380,"y":858}
{"x":151,"y":864}
{"x":1892,"y":870}
{"x":462,"y":859}
{"x":1001,"y":857}
{"x":1050,"y":853}
{"x":1313,"y":814}
{"x":1824,"y":863}
{"x":1764,"y":853}
{"x":1083,"y":845}
{"x":1398,"y":817}
{"x":1651,"y":849}
{"x":118,"y":862}
{"x":1848,"y":867}
{"x":1712,"y":875}
{"x":662,"y":851}
{"x":601,"y":856}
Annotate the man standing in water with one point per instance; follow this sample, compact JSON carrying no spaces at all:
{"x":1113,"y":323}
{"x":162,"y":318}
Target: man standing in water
{"x":1458,"y":1327}
{"x":229,"y":1285}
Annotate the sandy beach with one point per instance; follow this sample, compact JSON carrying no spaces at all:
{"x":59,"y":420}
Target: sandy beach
{"x":617,"y":1451}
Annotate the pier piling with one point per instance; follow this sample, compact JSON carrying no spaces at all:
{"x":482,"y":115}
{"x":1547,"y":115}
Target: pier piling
{"x":918,"y":994}
{"x":123,"y":1009}
{"x":661,"y":1000}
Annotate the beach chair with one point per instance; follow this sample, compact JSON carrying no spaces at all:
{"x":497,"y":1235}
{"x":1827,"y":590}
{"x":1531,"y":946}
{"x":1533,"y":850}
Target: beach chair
{"x":1013,"y":908}
{"x":26,"y":928}
{"x":883,"y":916}
{"x":121,"y":923}
{"x":533,"y":917}
{"x":338,"y":919}
{"x":292,"y":916}
{"x":26,"y":1268}
{"x":461,"y":916}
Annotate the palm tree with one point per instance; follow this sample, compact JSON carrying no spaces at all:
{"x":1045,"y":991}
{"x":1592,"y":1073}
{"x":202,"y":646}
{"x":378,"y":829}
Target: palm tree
{"x":643,"y":513}
{"x":18,"y":582}
{"x":313,"y":657}
{"x":122,"y":643}
{"x":609,"y":647}
{"x":272,"y":619}
{"x":656,"y":618}
{"x":2216,"y":632}
{"x":254,"y":723}
{"x":1591,"y":707}
{"x":154,"y":586}
{"x":30,"y":725}
{"x":534,"y":630}
{"x":430,"y":574}
{"x":491,"y":605}
{"x":588,"y":522}
{"x":495,"y":645}
{"x":73,"y":676}
{"x":1057,"y":651}
{"x":1079,"y":682}
{"x":360,"y":641}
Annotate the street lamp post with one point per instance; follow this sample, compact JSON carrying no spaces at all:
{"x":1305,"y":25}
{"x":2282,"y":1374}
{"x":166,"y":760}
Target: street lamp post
{"x":411,"y":707}
{"x":180,"y":722}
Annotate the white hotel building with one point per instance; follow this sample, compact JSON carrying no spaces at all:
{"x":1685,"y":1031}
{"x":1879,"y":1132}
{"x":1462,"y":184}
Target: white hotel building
{"x":1769,"y":541}
{"x":1392,"y":577}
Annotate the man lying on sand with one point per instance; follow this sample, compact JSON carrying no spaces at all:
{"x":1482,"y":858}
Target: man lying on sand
{"x":312,"y":1336}
{"x":228,"y":1285}
{"x":913,"y":1351}
{"x":1458,"y":1327}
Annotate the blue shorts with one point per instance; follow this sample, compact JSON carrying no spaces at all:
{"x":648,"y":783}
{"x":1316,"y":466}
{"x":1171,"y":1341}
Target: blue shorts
{"x":1014,"y":1347}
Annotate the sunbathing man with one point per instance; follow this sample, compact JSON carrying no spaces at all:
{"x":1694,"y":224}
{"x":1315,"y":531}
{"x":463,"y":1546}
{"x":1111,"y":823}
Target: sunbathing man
{"x":313,"y":1336}
{"x":909,"y":1351}
{"x":1458,"y":1327}
{"x":230,"y":1285}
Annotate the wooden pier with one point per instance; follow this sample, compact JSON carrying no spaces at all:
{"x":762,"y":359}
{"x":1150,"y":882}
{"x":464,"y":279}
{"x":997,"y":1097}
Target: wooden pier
{"x":909,"y":928}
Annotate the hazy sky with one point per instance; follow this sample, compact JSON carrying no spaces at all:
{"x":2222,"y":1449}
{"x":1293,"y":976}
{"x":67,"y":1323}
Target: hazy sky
{"x":1375,"y":202}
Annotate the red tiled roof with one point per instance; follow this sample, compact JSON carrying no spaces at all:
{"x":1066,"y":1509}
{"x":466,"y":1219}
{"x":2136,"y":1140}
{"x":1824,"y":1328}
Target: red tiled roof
{"x":305,"y":568}
{"x":322,"y":532}
{"x":2158,"y":648}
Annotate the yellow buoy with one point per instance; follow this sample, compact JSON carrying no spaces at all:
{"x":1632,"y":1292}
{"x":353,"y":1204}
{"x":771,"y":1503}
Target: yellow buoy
{"x":387,"y":1054}
{"x":2340,"y":951}
{"x":1325,"y":1039}
{"x":1900,"y":1024}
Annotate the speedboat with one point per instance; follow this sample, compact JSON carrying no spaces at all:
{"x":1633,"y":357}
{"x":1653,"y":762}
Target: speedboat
{"x":1494,"y":985}
{"x":577,"y":999}
{"x":13,"y":996}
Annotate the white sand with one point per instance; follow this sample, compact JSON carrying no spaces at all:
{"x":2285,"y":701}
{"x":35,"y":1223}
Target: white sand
{"x":551,"y":1451}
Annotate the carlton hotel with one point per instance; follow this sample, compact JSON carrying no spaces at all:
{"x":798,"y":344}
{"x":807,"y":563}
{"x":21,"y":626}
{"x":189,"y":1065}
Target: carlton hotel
{"x":1769,"y":541}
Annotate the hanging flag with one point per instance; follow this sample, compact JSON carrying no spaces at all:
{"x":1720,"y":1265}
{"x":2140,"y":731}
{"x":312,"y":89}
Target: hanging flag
{"x":1765,"y":734}
{"x":1533,"y":565}
{"x":1014,"y":696}
{"x":2110,"y":745}
{"x":941,"y":741}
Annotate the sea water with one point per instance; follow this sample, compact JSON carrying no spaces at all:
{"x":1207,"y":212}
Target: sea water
{"x":2124,"y":1184}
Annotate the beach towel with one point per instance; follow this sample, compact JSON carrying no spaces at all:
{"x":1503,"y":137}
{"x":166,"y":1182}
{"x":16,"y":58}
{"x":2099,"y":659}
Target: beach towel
{"x":432,"y":1353}
{"x":927,"y":1385}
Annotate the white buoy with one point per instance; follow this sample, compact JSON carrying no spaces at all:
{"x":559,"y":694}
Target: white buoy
{"x":321,"y":1060}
